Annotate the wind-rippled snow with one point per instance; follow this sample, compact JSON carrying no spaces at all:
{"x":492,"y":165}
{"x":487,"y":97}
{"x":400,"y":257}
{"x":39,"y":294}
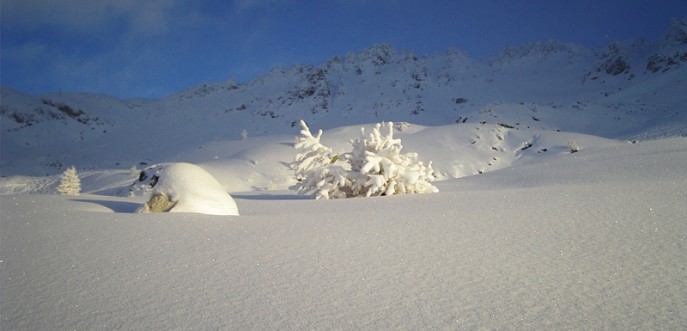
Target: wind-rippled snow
{"x":591,"y":240}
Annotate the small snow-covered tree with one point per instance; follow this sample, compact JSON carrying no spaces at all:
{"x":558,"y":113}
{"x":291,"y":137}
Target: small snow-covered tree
{"x":380,"y":168}
{"x":573,"y":146}
{"x":374,"y":167}
{"x":70,"y":184}
{"x":316,"y":166}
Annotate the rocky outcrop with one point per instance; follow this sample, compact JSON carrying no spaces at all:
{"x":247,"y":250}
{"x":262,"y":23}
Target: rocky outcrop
{"x":158,"y":203}
{"x":613,"y":62}
{"x":672,"y":50}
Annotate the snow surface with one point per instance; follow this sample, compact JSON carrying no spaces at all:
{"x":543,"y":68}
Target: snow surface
{"x":590,"y":240}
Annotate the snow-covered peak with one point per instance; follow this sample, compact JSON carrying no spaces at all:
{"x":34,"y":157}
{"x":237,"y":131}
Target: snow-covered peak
{"x":677,"y":32}
{"x":378,"y":55}
{"x":538,"y":51}
{"x":627,"y":90}
{"x":671,"y":52}
{"x":206,"y":89}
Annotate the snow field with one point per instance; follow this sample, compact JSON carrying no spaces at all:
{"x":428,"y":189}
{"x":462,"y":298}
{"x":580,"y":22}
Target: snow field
{"x":591,"y":240}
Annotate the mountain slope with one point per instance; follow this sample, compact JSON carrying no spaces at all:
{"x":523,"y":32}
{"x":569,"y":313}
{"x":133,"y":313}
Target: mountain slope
{"x":631,"y":90}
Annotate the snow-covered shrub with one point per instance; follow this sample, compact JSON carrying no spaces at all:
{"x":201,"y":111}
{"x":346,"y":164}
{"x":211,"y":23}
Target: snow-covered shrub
{"x":133,"y":171}
{"x":573,"y":146}
{"x":184,"y":187}
{"x":374,"y":167}
{"x":318,"y":169}
{"x":379,"y":168}
{"x":70,"y":184}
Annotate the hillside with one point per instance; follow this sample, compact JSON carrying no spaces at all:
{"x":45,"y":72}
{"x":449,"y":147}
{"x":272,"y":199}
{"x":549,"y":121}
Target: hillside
{"x":630,"y":90}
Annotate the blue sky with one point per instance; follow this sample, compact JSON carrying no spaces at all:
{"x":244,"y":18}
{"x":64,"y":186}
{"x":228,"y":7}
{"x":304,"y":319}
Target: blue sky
{"x":151,"y":48}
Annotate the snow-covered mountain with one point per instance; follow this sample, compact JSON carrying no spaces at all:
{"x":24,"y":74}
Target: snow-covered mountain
{"x":524,"y":233}
{"x":630,"y":90}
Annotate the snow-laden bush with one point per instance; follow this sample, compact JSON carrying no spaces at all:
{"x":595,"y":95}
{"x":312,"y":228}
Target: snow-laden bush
{"x":380,"y":168}
{"x":374,"y":167}
{"x":317,"y":169}
{"x":184,"y":187}
{"x":573,"y":146}
{"x":70,"y":184}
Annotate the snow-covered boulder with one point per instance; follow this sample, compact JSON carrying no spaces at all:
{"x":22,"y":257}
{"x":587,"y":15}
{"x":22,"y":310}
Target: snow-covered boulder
{"x":184,"y":187}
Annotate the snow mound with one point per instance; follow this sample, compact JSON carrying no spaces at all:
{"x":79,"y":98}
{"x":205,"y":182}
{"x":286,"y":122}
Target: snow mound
{"x":184,"y":187}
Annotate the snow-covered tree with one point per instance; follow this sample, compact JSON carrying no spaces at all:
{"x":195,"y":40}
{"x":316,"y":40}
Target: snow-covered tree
{"x":380,"y":168}
{"x":317,"y":169}
{"x":374,"y":167}
{"x":70,"y":184}
{"x":573,"y":146}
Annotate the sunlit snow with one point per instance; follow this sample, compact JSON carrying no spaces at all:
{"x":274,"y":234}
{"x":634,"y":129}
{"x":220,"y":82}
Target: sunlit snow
{"x":524,"y":233}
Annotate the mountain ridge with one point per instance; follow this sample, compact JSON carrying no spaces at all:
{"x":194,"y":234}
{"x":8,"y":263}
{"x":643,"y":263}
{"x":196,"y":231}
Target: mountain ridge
{"x":552,"y":85}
